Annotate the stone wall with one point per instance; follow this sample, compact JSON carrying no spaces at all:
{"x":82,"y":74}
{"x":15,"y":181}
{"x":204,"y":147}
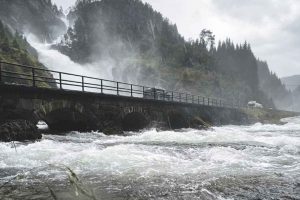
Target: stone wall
{"x":70,"y":110}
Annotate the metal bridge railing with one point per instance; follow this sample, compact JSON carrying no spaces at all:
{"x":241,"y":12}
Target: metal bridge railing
{"x":11,"y":73}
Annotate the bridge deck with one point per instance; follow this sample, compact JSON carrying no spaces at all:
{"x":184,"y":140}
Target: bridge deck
{"x":27,"y":78}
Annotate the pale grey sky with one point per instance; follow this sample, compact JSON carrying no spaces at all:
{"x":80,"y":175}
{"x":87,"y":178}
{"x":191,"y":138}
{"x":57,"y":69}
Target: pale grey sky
{"x":271,"y":26}
{"x":64,"y":3}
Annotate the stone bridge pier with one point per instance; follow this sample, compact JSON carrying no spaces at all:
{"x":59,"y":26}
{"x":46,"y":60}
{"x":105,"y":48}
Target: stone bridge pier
{"x":78,"y":111}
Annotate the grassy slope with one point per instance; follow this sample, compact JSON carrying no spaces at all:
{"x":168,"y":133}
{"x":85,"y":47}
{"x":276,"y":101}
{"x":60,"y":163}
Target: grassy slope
{"x":15,"y":49}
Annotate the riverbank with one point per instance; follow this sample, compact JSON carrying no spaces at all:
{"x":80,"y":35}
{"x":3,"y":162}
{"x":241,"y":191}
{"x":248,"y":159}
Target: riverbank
{"x":268,"y":116}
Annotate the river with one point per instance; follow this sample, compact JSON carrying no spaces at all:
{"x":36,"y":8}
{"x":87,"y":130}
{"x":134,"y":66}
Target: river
{"x":228,"y":162}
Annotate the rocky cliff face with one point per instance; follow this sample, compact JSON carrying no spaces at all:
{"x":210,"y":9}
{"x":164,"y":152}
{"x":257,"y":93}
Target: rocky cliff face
{"x":39,"y":17}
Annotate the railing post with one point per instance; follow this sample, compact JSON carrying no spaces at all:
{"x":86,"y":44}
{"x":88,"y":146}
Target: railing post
{"x":164,"y":95}
{"x":0,"y":72}
{"x":82,"y":83}
{"x":60,"y":83}
{"x":118,"y":88}
{"x":33,"y":77}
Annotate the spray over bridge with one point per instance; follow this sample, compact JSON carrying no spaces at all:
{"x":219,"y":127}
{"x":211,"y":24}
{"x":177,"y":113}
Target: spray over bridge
{"x":75,"y":102}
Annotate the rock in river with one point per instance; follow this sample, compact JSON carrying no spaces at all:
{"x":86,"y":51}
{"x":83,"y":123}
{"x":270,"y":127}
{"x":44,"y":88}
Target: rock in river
{"x":18,"y":130}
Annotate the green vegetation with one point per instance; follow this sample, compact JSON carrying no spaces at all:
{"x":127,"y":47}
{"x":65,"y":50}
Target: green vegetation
{"x":15,"y":49}
{"x":143,"y":47}
{"x":272,"y":86}
{"x":134,"y":35}
{"x":40,"y":18}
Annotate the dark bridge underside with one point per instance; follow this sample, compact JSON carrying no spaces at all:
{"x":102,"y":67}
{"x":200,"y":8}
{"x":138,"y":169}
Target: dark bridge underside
{"x":134,"y":121}
{"x":69,"y":120}
{"x":73,"y":110}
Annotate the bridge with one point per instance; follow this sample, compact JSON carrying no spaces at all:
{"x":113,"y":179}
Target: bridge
{"x":68,"y":101}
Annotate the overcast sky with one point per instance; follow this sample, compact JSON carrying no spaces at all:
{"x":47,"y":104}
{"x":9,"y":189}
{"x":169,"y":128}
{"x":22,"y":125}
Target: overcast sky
{"x":271,"y":26}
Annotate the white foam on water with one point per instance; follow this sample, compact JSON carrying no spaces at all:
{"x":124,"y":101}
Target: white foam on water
{"x":211,"y":154}
{"x":222,"y":150}
{"x":206,"y":155}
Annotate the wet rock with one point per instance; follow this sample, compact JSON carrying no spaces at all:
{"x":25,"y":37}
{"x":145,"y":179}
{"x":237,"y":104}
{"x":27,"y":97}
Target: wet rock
{"x":113,"y":131}
{"x":18,"y":130}
{"x":134,"y":122}
{"x":198,"y":122}
{"x":177,"y":120}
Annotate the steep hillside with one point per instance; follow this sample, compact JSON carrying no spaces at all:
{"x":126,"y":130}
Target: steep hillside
{"x":238,"y":64}
{"x":291,"y":82}
{"x":295,"y":105}
{"x":273,"y":86}
{"x":14,"y":49}
{"x":144,"y":47}
{"x":122,"y":29}
{"x":39,"y":17}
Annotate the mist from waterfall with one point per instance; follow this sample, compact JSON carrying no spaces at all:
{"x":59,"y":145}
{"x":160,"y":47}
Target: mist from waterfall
{"x":55,"y":60}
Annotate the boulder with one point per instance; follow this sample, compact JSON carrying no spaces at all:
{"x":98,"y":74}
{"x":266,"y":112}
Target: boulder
{"x":18,"y":130}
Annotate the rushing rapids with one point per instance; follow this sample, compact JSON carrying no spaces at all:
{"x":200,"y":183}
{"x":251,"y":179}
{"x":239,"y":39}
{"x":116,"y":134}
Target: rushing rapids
{"x":230,"y":162}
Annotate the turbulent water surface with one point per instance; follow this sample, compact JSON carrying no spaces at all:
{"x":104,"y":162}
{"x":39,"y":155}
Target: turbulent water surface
{"x":230,"y":162}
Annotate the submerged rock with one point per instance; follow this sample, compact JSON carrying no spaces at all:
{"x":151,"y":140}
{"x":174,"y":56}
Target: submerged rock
{"x":19,"y":130}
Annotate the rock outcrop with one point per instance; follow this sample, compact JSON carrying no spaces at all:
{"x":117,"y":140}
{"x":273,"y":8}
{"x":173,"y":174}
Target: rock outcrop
{"x":40,"y":18}
{"x":18,"y":130}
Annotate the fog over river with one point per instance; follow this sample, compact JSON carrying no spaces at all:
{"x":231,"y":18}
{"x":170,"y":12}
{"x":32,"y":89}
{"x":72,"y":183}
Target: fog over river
{"x":229,"y":162}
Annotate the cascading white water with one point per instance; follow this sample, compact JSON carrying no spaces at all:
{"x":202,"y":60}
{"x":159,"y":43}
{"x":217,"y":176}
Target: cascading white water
{"x":230,"y":162}
{"x":54,"y":60}
{"x":102,"y":69}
